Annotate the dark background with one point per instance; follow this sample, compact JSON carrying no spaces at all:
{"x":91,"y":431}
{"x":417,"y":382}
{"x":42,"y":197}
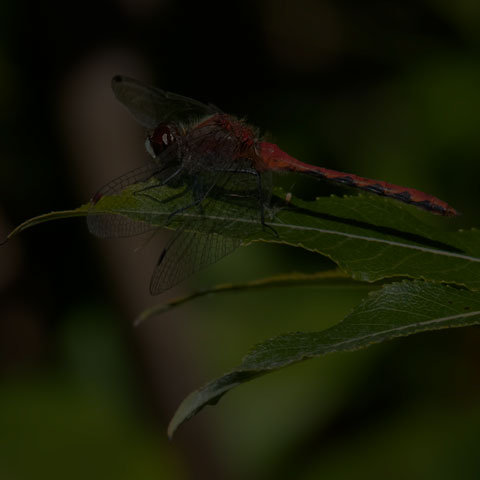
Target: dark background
{"x":388,"y":90}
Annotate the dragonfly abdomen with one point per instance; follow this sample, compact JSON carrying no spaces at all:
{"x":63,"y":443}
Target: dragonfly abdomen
{"x":271,"y":157}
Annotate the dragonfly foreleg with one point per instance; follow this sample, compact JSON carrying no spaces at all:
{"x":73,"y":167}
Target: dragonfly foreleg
{"x":198,"y":197}
{"x":168,"y":199}
{"x":161,"y":184}
{"x":195,"y":203}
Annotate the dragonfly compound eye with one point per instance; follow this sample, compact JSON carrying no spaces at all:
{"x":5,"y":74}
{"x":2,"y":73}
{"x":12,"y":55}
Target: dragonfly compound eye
{"x":163,"y":136}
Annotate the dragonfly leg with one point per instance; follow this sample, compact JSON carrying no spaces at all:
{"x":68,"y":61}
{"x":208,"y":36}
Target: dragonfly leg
{"x":183,"y":209}
{"x":260,"y":201}
{"x":166,"y":200}
{"x":161,"y":184}
{"x":262,"y":206}
{"x":251,"y":171}
{"x":198,"y":198}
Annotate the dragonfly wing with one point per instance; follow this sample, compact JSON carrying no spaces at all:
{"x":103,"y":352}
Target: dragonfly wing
{"x":159,"y":174}
{"x":111,"y":225}
{"x":217,"y":200}
{"x":186,"y":253}
{"x":227,"y":213}
{"x":151,"y":106}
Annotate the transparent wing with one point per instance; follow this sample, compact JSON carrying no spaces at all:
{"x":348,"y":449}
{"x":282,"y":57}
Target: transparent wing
{"x":229,"y":211}
{"x":166,"y":170}
{"x":151,"y":106}
{"x":187,"y":253}
{"x":109,"y":225}
{"x":202,"y":187}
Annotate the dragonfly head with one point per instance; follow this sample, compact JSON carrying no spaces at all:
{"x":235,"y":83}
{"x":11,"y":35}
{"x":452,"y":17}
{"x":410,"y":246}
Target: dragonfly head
{"x":162,"y":137}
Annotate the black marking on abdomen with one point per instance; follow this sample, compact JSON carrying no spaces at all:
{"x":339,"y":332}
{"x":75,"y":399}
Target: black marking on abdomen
{"x":376,"y":188}
{"x":427,"y":205}
{"x":404,"y":196}
{"x":350,"y":181}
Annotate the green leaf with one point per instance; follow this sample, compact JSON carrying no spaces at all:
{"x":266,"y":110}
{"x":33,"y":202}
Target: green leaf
{"x":328,"y":278}
{"x":368,"y":237}
{"x":48,"y":217}
{"x":373,"y":238}
{"x":396,"y":310}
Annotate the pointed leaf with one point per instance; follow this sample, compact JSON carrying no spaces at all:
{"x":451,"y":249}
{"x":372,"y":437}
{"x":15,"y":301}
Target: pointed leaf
{"x":328,"y":278}
{"x":397,"y":310}
{"x":48,"y":217}
{"x":373,"y":238}
{"x":370,"y":238}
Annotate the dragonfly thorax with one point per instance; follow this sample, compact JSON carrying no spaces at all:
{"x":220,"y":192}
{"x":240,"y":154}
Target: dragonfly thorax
{"x":242,"y":132}
{"x":226,"y":136}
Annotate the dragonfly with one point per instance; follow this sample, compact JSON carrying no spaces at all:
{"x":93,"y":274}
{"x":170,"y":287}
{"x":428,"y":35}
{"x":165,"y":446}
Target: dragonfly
{"x":216,"y":164}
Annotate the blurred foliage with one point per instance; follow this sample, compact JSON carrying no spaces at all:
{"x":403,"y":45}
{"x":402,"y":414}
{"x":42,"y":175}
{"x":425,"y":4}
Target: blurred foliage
{"x":81,"y":420}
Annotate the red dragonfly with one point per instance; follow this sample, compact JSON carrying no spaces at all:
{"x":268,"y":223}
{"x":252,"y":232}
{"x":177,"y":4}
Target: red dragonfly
{"x":212,"y":156}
